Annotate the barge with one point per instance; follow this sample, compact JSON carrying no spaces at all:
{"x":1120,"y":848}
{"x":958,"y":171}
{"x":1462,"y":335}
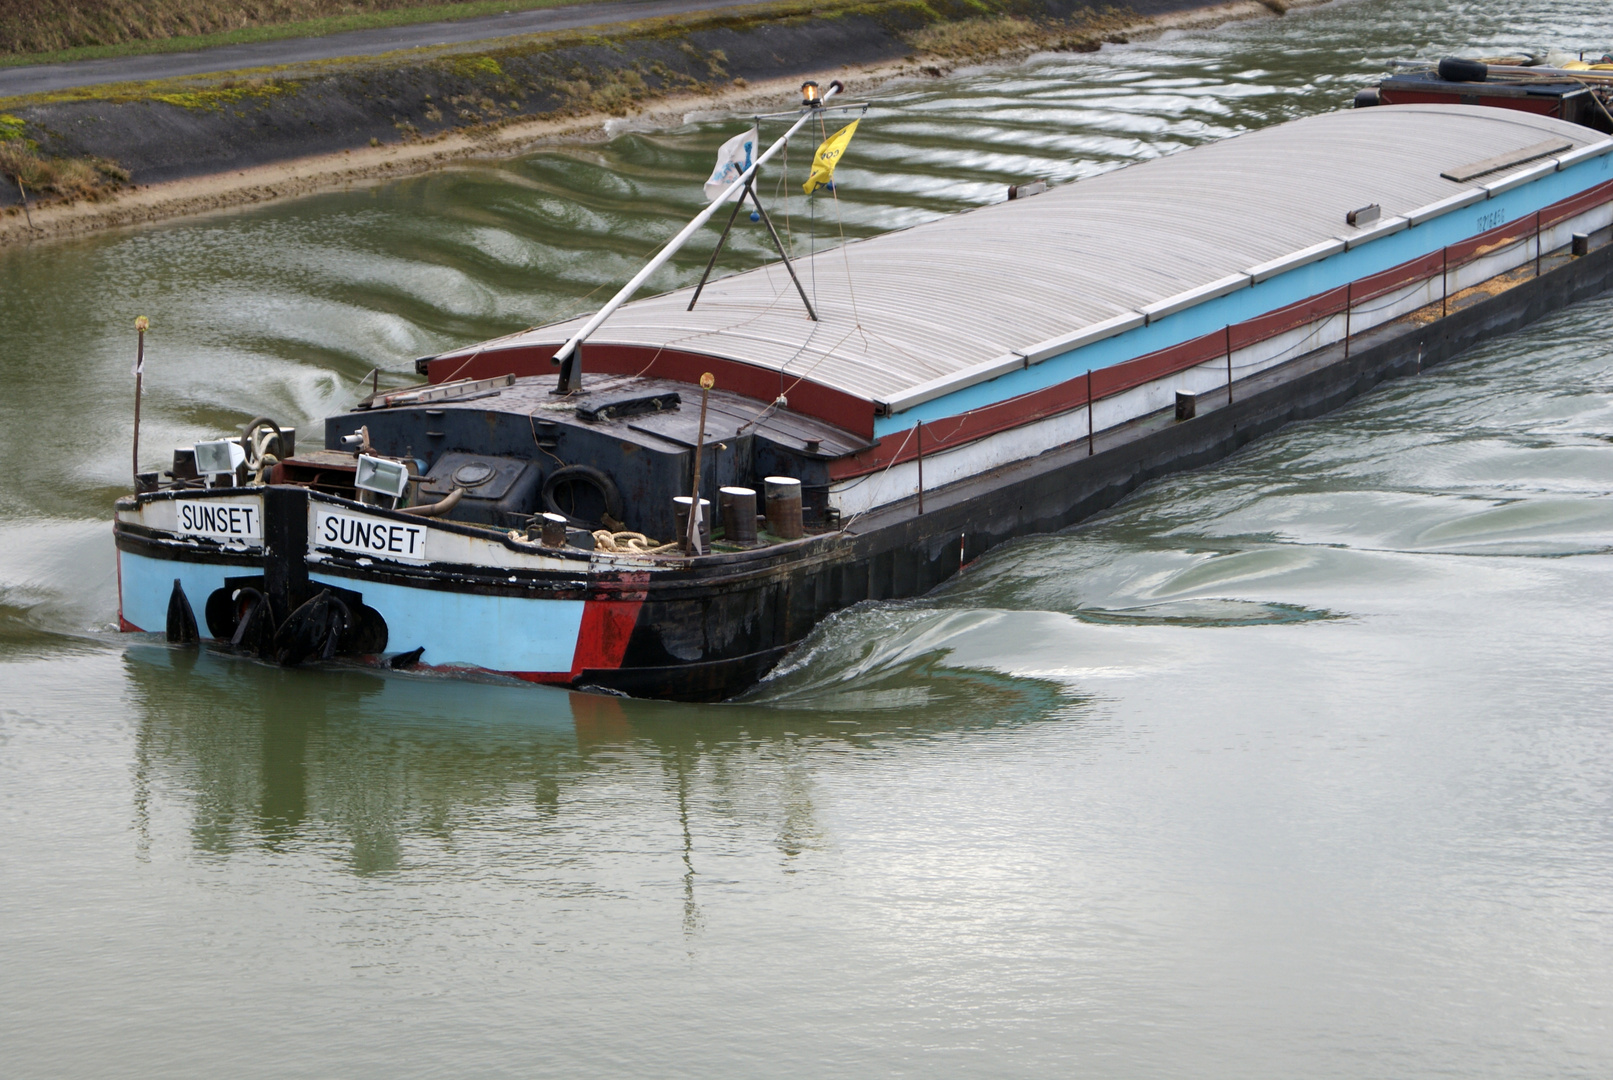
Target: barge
{"x":1579,"y":92}
{"x":875,"y":417}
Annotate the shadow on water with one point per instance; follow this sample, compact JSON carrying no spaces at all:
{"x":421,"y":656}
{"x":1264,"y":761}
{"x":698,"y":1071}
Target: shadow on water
{"x":372,"y":763}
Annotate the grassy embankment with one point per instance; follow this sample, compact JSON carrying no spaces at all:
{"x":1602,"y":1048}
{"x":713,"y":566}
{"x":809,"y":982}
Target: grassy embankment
{"x":54,"y":31}
{"x":64,"y":178}
{"x":946,"y":31}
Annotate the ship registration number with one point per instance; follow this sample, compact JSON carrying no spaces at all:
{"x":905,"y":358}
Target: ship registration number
{"x":220,"y":520}
{"x":369,"y":536}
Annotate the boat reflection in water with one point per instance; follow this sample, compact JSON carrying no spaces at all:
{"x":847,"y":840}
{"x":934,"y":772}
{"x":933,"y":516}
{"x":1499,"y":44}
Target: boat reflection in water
{"x":391,"y":772}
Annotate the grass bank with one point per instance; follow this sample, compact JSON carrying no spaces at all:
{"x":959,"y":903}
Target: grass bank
{"x":268,"y":133}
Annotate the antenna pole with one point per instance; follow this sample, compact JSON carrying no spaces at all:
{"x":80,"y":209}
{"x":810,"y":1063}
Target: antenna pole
{"x":140,"y":326}
{"x":566,"y":356}
{"x":691,"y":541}
{"x":721,"y":240}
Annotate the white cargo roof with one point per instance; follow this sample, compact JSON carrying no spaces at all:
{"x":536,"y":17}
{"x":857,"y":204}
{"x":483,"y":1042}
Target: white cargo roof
{"x":915,"y":307}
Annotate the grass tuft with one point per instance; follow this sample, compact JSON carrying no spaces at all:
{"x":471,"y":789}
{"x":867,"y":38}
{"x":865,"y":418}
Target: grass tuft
{"x":471,"y":66}
{"x":997,"y":34}
{"x":222,"y":95}
{"x":63,"y":179}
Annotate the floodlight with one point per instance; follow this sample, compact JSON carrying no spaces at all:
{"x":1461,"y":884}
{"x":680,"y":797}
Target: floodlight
{"x":382,"y":476}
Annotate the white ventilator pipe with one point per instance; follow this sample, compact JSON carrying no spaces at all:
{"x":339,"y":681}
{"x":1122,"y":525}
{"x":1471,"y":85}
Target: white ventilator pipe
{"x":683,"y":237}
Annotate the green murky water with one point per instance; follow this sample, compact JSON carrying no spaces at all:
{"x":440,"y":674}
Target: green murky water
{"x":1298,"y":766}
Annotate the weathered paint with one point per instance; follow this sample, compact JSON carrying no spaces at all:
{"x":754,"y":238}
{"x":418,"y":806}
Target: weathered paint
{"x":517,"y":635}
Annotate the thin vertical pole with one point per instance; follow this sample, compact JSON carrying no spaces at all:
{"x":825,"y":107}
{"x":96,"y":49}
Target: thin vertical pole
{"x":1229,"y":363}
{"x":1445,"y":282}
{"x":29,"y":214}
{"x":919,"y":429}
{"x":1537,"y":243}
{"x":692,"y":539}
{"x":140,"y":326}
{"x":1089,"y":412}
{"x":1349,"y":292}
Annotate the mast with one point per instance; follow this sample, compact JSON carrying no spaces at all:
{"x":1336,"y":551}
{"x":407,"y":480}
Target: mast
{"x":568,"y":355}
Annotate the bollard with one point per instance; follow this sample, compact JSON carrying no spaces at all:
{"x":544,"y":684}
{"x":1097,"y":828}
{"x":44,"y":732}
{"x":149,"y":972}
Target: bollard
{"x":551,"y":530}
{"x":680,"y":509}
{"x":784,"y":507}
{"x":738,"y":506}
{"x":1580,"y":244}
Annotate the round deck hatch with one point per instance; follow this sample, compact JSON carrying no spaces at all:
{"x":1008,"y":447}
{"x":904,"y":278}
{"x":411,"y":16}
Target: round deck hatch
{"x":473,"y":474}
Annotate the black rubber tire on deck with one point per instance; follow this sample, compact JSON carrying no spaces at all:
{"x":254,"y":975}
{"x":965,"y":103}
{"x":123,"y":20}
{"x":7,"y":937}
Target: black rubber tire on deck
{"x":587,"y":474}
{"x":1456,"y":69}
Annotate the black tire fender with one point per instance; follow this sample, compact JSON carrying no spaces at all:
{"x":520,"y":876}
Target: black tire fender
{"x":1456,"y":69}
{"x":568,"y":473}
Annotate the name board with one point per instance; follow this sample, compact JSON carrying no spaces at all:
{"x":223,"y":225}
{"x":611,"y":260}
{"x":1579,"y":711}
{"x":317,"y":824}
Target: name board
{"x":395,"y":540}
{"x":219,"y":520}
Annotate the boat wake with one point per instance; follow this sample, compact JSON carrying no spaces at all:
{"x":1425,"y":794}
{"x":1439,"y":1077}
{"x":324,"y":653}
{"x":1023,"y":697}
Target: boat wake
{"x":889,"y":659}
{"x":1204,"y":612}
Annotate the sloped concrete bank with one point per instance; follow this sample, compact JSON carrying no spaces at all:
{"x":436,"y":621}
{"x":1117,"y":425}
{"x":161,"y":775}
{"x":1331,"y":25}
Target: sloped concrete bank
{"x":263,"y":134}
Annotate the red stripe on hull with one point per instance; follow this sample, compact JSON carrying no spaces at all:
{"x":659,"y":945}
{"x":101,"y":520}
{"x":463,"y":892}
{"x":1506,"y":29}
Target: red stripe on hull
{"x":1471,"y":94}
{"x":1576,"y":205}
{"x":607,"y":623}
{"x":963,"y":428}
{"x":1107,"y":381}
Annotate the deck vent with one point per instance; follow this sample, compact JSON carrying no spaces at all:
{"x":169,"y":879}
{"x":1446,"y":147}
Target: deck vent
{"x":1365,"y":216}
{"x":474,"y":474}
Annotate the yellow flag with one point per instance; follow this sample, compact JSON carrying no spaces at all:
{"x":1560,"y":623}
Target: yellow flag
{"x":828,"y":156}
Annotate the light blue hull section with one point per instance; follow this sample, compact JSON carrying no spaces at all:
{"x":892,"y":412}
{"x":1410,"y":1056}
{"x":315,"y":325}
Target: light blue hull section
{"x":1372,"y":257}
{"x":146,"y":584}
{"x":497,"y":633}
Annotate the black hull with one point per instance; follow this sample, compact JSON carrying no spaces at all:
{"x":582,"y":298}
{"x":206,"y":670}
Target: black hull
{"x":710,"y":633}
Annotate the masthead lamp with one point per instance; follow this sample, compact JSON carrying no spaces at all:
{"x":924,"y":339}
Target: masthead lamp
{"x":810,"y":97}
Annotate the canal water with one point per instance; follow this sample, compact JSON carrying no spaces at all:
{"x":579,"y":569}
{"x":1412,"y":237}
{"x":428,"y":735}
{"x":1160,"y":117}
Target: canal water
{"x":1296,"y":766}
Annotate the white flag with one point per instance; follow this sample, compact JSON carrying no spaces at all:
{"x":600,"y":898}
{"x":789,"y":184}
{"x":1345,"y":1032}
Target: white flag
{"x":733,"y":159}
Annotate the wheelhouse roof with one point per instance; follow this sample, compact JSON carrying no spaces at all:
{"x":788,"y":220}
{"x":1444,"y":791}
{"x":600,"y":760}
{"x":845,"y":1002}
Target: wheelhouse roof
{"x":912,"y":307}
